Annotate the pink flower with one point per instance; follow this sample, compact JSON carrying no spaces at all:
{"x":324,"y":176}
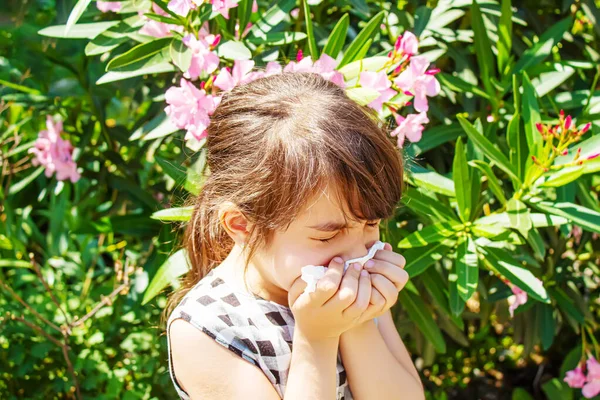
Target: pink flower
{"x":410,"y":127}
{"x":182,"y":7}
{"x":592,"y":386}
{"x":254,"y":6}
{"x":189,"y":108}
{"x":55,"y":153}
{"x":378,"y":81}
{"x":106,"y":6}
{"x":519,"y":298}
{"x":575,"y":378}
{"x":203,"y":59}
{"x":223,"y":6}
{"x":295,"y":12}
{"x":419,"y":82}
{"x":325,"y":66}
{"x":227,"y":80}
{"x":155,"y":28}
{"x":272,"y":68}
{"x":408,"y":44}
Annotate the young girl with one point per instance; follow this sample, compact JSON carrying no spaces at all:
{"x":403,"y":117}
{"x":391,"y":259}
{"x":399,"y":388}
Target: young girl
{"x":299,"y":174}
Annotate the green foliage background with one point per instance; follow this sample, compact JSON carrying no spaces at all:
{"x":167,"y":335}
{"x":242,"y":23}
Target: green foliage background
{"x":103,"y":245}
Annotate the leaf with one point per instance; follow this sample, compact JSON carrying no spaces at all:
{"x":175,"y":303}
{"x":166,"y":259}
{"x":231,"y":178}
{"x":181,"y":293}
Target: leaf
{"x":460,"y":175}
{"x":521,"y":394}
{"x":487,"y":147}
{"x":79,"y":31}
{"x":157,"y":68}
{"x":362,"y":95}
{"x":543,"y":48}
{"x":233,"y":50}
{"x":557,"y":390}
{"x":467,"y":268}
{"x":483,"y":48}
{"x":336,"y":39}
{"x":493,"y":182}
{"x":419,"y":202}
{"x":181,"y":55}
{"x":560,"y":177}
{"x":531,"y":116}
{"x":566,"y":305}
{"x":271,"y":18}
{"x":22,"y":184}
{"x":312,"y":43}
{"x":518,"y":215}
{"x":76,"y":13}
{"x":173,"y":214}
{"x":368,"y":32}
{"x":504,"y":44}
{"x":418,"y":260}
{"x":432,"y":181}
{"x":457,"y":304}
{"x":113,"y":37}
{"x":244,"y":12}
{"x":175,"y":266}
{"x":537,"y":220}
{"x":430,"y":234}
{"x":547,"y":325}
{"x":503,"y":263}
{"x":548,"y":81}
{"x":178,"y":175}
{"x":575,"y":213}
{"x":138,"y":53}
{"x":352,"y":70}
{"x":5,"y":263}
{"x":459,"y":85}
{"x":278,"y":38}
{"x":419,"y":313}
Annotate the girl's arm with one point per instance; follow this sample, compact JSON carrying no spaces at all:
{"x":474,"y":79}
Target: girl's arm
{"x":313,"y":369}
{"x":372,"y":370}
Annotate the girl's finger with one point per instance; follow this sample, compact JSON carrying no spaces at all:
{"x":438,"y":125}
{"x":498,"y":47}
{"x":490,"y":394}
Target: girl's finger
{"x":390,"y":256}
{"x":386,"y":288}
{"x":391,"y":271}
{"x":346,"y":294}
{"x":363,"y":297}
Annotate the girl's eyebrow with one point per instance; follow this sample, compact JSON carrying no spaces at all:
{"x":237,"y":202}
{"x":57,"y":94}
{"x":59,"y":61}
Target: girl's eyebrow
{"x":330,"y":226}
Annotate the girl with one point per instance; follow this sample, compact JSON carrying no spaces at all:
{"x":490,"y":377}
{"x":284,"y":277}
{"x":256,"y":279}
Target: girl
{"x":298,"y":174}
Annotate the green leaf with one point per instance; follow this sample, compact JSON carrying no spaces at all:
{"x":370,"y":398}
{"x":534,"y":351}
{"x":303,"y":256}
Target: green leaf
{"x":518,"y":215}
{"x":547,"y":325}
{"x":173,"y":214}
{"x":493,"y":182}
{"x":467,"y":267}
{"x":277,"y":38}
{"x":487,"y":147}
{"x":353,"y":69}
{"x":368,"y":32}
{"x":114,"y":36}
{"x":521,"y":394}
{"x":233,"y":50}
{"x":560,"y":177}
{"x":582,"y":216}
{"x":175,"y":266}
{"x":5,"y":263}
{"x":22,"y":184}
{"x":537,"y":220}
{"x":138,"y":53}
{"x":272,"y":18}
{"x":516,"y":144}
{"x":430,"y":234}
{"x":457,"y":304}
{"x":421,"y":203}
{"x":557,"y":390}
{"x":336,"y":39}
{"x":459,"y":85}
{"x":419,"y":259}
{"x":504,"y":44}
{"x":432,"y":180}
{"x":178,"y":174}
{"x":181,"y":55}
{"x":362,"y":95}
{"x":503,"y":263}
{"x":483,"y":48}
{"x":460,"y":175}
{"x":543,"y":48}
{"x":158,"y":64}
{"x":244,"y":12}
{"x":312,"y":43}
{"x":548,"y":81}
{"x":566,"y":305}
{"x":531,"y":116}
{"x":419,"y":313}
{"x":79,"y":31}
{"x":76,"y":13}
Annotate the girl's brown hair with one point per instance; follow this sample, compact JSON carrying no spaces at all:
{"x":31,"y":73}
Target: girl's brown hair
{"x":272,"y":144}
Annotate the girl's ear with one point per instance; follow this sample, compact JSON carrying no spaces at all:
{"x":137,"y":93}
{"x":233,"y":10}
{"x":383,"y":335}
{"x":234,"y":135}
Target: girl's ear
{"x":234,"y":222}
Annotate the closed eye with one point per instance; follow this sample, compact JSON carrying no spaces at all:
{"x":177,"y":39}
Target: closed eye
{"x":373,"y":225}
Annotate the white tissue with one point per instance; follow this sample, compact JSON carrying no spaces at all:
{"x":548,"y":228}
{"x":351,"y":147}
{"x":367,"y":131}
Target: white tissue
{"x":312,"y":273}
{"x":362,"y":260}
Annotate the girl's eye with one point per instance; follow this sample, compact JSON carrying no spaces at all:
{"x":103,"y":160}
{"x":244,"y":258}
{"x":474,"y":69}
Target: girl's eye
{"x":373,"y":224}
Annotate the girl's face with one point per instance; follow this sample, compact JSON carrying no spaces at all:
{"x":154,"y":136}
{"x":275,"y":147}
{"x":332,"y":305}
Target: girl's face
{"x":316,"y":236}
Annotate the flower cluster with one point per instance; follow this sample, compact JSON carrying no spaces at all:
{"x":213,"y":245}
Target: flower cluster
{"x":590,"y":383}
{"x":565,"y":133}
{"x":183,"y":7}
{"x":106,"y":6}
{"x":54,"y":153}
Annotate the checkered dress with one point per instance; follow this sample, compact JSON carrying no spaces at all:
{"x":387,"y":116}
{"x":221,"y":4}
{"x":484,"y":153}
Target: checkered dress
{"x":258,"y":330}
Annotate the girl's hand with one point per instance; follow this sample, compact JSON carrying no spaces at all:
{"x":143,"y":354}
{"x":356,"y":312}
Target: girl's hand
{"x":335,"y":306}
{"x":388,"y":277}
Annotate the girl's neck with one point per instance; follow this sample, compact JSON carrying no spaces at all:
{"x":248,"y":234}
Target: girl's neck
{"x":232,"y":269}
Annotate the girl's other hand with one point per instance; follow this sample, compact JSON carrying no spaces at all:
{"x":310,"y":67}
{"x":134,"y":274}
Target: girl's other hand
{"x":337,"y":304}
